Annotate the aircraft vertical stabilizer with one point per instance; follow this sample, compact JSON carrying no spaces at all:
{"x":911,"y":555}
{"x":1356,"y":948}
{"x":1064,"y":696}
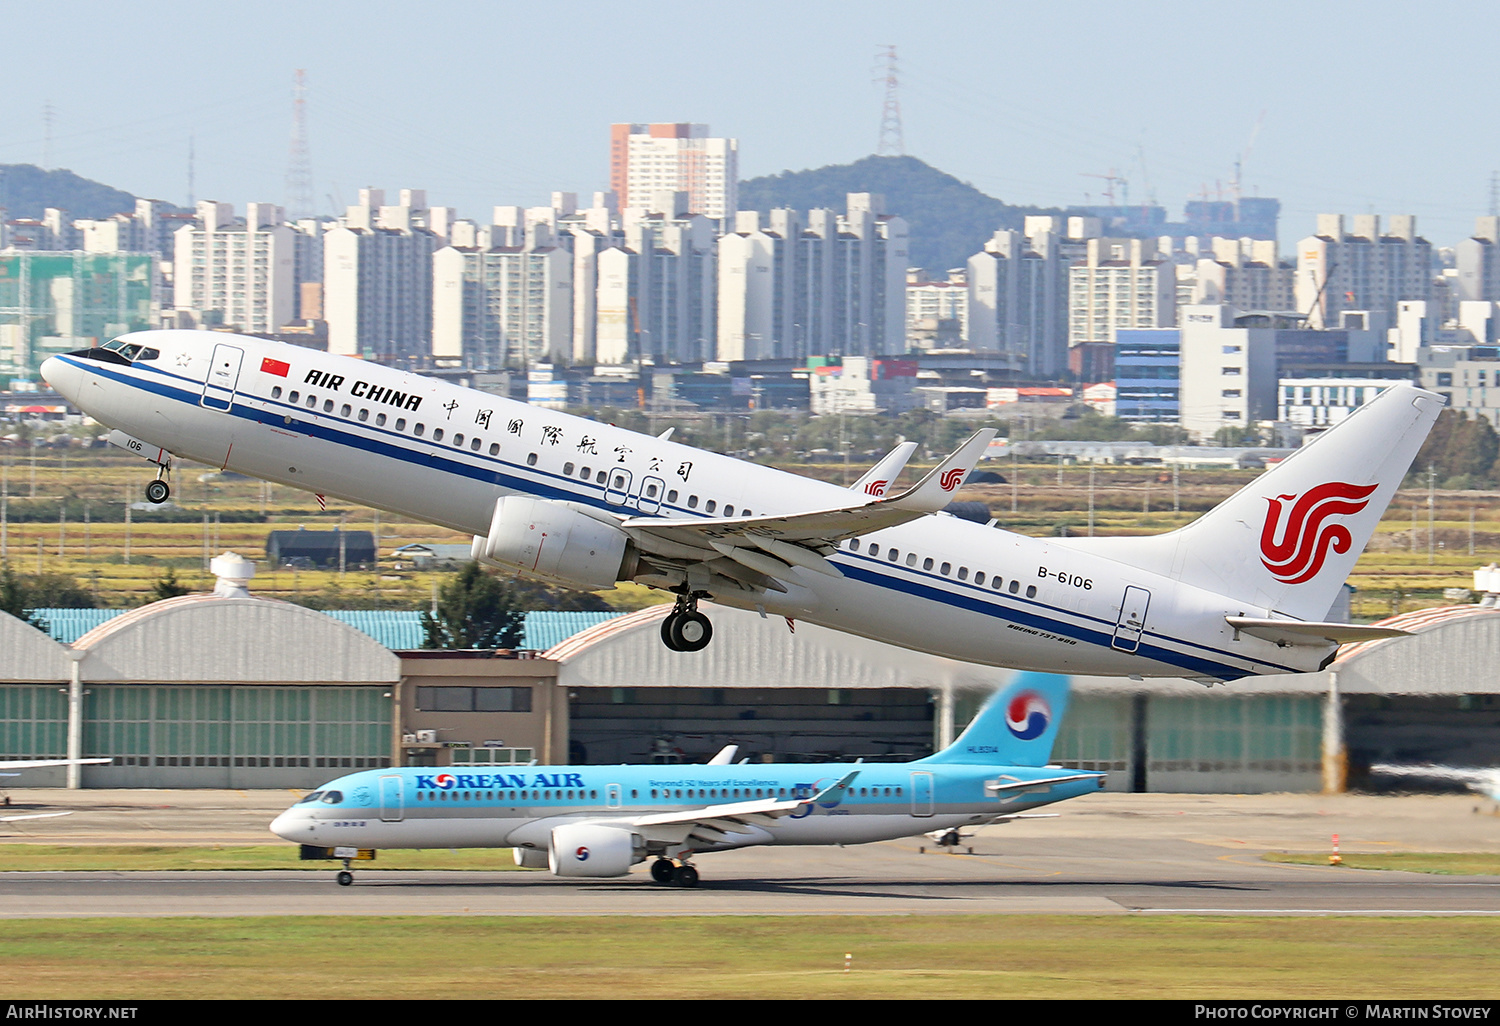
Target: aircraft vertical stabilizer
{"x":1016,"y":727}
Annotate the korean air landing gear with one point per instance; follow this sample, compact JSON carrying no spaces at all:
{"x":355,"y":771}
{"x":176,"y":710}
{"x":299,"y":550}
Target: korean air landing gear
{"x":685,"y":629}
{"x":665,"y":871}
{"x":345,"y":878}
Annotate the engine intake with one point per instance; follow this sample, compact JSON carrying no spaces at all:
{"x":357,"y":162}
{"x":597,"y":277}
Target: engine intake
{"x":592,"y":849}
{"x":555,"y":543}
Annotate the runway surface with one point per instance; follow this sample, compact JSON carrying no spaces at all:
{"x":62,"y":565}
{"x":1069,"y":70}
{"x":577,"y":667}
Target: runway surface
{"x":1104,"y":854}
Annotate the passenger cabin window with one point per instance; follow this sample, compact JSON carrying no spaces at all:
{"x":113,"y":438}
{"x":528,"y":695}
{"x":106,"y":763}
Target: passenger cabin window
{"x":710,"y":505}
{"x":692,"y":502}
{"x":312,"y":402}
{"x":1031,"y":591}
{"x":364,"y":415}
{"x":494,"y":448}
{"x":568,"y":469}
{"x":437,"y":434}
{"x":599,"y":479}
{"x":276,"y":392}
{"x":400,"y":423}
{"x":474,"y":445}
{"x":1015,"y":586}
{"x":327,"y":405}
{"x":458,"y":439}
{"x":346,"y":410}
{"x":672,"y":495}
{"x":927,"y":563}
{"x":945,"y":569}
{"x":379,"y":417}
{"x":294,"y":397}
{"x":911,"y":559}
{"x":531,"y":459}
{"x":418,"y":429}
{"x":729,"y":511}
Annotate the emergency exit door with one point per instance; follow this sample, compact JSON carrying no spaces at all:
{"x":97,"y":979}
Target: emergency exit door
{"x":1132,"y":622}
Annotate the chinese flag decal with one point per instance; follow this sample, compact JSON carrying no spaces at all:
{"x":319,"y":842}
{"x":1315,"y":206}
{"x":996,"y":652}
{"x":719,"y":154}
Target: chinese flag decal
{"x":277,"y":367}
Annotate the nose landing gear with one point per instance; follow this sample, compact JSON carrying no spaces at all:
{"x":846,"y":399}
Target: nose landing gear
{"x":160,"y":490}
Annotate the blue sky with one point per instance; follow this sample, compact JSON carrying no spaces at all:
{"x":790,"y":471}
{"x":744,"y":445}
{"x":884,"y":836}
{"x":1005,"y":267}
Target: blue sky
{"x":1376,"y":107}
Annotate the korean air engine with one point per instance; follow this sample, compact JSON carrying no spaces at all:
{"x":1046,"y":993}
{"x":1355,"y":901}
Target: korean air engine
{"x":593,"y":849}
{"x":555,"y":543}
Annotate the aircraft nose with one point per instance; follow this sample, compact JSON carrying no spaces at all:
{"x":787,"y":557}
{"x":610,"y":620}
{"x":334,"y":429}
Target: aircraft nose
{"x":292,"y":825}
{"x":64,"y":377}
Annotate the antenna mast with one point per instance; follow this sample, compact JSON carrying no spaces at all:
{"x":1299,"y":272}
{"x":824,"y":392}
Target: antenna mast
{"x":299,"y":183}
{"x":891,"y":139}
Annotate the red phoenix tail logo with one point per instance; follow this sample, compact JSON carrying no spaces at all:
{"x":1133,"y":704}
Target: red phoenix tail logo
{"x":950,"y":479}
{"x":876,"y":487}
{"x":1305,"y":537}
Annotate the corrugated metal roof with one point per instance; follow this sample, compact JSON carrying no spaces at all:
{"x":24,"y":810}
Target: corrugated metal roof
{"x":68,"y":625}
{"x":548,"y":627}
{"x":396,"y":629}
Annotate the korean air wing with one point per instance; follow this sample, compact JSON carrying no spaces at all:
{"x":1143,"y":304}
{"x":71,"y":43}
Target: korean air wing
{"x":599,"y":821}
{"x":1243,"y":590}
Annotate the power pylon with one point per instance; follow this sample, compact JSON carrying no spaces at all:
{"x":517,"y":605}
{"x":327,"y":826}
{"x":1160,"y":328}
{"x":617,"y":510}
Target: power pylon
{"x":299,"y":182}
{"x":891,"y":139}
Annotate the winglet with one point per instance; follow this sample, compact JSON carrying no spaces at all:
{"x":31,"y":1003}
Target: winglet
{"x":878,"y":479}
{"x":833,"y":793}
{"x":937,"y":489}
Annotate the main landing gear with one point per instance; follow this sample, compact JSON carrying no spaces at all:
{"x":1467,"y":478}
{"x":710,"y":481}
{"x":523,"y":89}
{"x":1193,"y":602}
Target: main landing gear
{"x":679,"y":874}
{"x":685,"y":629}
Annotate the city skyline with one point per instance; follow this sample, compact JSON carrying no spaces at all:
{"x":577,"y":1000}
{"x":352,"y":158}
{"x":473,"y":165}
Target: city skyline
{"x":1338,"y":107}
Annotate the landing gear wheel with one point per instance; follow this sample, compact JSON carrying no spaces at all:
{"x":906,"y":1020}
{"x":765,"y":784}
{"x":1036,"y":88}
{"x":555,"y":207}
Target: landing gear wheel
{"x":345,"y":878}
{"x":668,"y":626}
{"x":158,"y":491}
{"x":691,"y":632}
{"x":662,"y":870}
{"x":685,"y":876}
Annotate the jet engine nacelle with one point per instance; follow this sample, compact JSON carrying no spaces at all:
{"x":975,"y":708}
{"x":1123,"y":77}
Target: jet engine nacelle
{"x":530,"y":858}
{"x":593,"y":849}
{"x":555,"y":543}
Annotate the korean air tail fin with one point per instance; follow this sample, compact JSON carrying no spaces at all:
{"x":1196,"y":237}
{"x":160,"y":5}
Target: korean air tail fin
{"x":1016,"y":727}
{"x":1288,"y":540}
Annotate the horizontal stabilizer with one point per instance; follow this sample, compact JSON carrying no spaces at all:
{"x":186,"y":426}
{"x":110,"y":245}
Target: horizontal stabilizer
{"x":1302,"y":632}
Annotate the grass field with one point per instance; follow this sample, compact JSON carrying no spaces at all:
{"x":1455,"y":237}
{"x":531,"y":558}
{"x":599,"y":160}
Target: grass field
{"x":747,"y":957}
{"x":1406,"y":566}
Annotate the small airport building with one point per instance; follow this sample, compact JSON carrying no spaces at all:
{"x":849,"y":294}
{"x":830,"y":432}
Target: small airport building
{"x":229,"y":690}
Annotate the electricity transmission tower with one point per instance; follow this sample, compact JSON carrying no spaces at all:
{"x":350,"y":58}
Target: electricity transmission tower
{"x":299,"y":183}
{"x":891,"y":140}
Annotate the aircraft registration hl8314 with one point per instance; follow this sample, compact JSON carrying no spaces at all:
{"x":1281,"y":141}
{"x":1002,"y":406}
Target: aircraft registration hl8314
{"x":599,"y":821}
{"x":1243,"y":590}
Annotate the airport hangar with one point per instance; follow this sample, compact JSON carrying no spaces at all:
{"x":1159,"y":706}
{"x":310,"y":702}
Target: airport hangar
{"x":230,"y":690}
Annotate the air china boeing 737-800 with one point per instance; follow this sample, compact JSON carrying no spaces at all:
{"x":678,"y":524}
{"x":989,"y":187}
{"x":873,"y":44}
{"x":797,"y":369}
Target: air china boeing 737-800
{"x":598,"y":821}
{"x":1245,"y":589}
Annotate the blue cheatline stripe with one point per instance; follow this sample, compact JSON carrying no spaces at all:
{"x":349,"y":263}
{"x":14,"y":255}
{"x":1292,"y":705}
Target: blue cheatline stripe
{"x":546,"y":489}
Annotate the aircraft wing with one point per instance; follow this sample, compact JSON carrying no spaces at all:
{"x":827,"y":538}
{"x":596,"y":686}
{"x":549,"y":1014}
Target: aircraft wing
{"x":771,"y":545}
{"x":715,"y":823}
{"x":34,"y":815}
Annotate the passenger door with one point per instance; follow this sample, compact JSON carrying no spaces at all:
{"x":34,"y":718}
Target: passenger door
{"x":223,"y":377}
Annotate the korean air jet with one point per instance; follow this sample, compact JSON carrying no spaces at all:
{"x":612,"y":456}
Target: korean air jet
{"x":599,"y":821}
{"x":1243,"y":590}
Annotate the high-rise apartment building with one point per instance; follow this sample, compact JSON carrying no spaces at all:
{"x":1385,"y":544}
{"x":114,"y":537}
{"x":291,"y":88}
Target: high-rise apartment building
{"x":1245,"y":274}
{"x":505,"y":305}
{"x":794,"y":285}
{"x":236,"y":272}
{"x":1361,"y":269}
{"x":377,"y":278}
{"x":1478,"y":262}
{"x":678,"y":157}
{"x":1018,"y":288}
{"x":1120,"y":283}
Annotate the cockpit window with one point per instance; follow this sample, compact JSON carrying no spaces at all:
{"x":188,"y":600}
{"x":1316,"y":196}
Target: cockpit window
{"x":311,"y":798}
{"x":332,"y":797}
{"x":147,"y":353}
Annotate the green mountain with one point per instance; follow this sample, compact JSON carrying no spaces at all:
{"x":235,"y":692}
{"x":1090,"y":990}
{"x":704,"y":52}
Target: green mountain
{"x":26,"y":190}
{"x":949,"y":220}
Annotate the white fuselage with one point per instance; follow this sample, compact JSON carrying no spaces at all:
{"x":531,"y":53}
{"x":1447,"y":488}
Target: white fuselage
{"x":443,"y":453}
